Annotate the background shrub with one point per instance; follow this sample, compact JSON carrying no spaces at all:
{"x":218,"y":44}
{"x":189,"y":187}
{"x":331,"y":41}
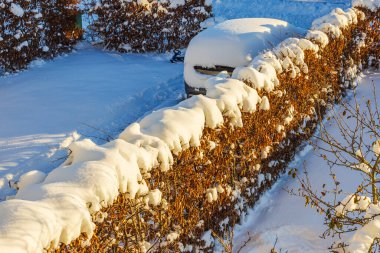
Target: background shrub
{"x":20,"y":33}
{"x":60,"y":30}
{"x":231,"y":166}
{"x":44,"y":28}
{"x":144,"y":26}
{"x":35,"y":28}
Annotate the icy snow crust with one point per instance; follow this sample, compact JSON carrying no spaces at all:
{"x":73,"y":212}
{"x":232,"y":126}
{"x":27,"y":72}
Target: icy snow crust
{"x":63,"y":205}
{"x":233,"y":43}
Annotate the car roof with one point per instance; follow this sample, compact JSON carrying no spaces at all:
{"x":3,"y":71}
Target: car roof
{"x":235,"y":42}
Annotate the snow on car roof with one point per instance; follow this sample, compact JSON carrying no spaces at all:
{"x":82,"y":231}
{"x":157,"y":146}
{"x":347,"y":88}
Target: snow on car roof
{"x":235,"y":42}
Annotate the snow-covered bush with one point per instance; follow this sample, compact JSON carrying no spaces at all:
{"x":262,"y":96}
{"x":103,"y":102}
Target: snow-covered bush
{"x":148,"y":25}
{"x":373,"y":36}
{"x":185,"y":173}
{"x":35,"y":28}
{"x":20,"y":33}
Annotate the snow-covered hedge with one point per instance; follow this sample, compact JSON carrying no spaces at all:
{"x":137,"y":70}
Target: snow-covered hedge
{"x":35,"y":28}
{"x":148,"y":25}
{"x":184,"y":171}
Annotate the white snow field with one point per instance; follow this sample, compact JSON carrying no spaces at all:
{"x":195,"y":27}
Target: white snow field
{"x":297,"y":12}
{"x":51,"y":105}
{"x":96,"y":93}
{"x":281,"y":215}
{"x":89,"y":92}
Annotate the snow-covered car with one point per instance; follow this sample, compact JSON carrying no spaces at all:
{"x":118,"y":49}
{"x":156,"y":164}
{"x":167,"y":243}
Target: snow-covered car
{"x":230,"y":44}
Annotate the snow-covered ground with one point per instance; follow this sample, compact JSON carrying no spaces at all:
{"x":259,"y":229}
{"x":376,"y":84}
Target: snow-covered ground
{"x":96,"y":94}
{"x":90,"y":92}
{"x":281,"y":215}
{"x":297,"y":12}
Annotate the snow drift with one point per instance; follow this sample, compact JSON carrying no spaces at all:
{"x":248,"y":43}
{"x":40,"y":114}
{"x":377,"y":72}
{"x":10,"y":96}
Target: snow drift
{"x":233,"y":43}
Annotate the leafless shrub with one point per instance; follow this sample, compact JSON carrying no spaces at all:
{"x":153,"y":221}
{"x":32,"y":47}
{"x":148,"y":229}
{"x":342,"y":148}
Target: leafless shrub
{"x":350,"y":150}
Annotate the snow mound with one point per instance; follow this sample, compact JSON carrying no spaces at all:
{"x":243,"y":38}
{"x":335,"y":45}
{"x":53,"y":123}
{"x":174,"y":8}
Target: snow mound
{"x":352,"y":203}
{"x":233,"y":43}
{"x":236,"y":42}
{"x":334,"y":21}
{"x":319,"y":37}
{"x":62,"y":205}
{"x":364,"y":237}
{"x":31,"y":177}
